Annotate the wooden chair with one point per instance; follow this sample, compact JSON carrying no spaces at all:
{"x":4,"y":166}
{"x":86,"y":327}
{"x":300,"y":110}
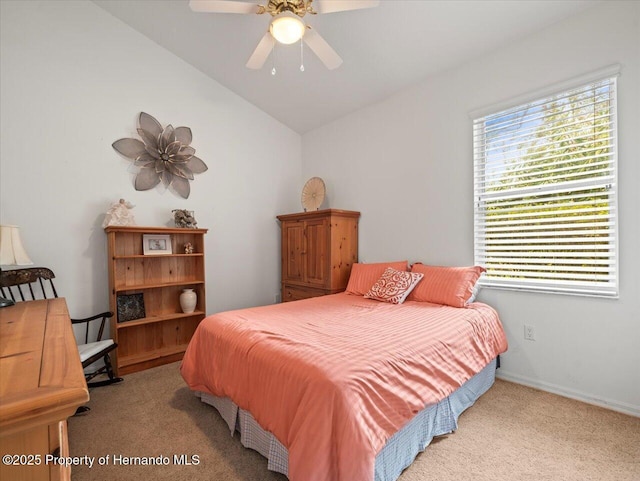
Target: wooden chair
{"x":34,"y":283}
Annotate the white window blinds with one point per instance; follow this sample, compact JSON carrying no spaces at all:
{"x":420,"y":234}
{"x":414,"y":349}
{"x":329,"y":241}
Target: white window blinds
{"x":545,"y":193}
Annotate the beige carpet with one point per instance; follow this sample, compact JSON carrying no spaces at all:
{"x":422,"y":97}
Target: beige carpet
{"x":512,"y":433}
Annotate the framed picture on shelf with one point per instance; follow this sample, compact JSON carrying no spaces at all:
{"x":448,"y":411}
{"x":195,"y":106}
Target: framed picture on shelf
{"x":130,"y":307}
{"x":156,"y":244}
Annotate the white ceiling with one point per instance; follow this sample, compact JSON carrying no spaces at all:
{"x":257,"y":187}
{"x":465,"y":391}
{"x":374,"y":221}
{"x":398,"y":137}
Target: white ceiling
{"x":385,"y":49}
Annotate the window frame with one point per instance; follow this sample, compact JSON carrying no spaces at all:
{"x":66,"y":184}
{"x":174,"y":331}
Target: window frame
{"x":609,"y":288}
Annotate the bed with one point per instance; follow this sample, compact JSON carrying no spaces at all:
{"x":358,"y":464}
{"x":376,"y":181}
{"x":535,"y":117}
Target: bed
{"x":342,"y":387}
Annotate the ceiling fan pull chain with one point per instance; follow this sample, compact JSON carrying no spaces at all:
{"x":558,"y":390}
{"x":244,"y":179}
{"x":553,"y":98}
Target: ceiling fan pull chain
{"x":273,"y":58}
{"x":301,"y":55}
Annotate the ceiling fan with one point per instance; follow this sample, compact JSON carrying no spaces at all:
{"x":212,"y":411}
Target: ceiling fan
{"x":287,"y":25}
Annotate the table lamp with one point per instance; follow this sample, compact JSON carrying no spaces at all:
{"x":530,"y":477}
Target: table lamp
{"x":12,"y":253}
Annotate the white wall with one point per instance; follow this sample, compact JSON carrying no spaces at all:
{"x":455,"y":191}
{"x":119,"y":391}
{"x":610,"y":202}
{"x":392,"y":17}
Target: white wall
{"x":73,"y":80}
{"x":406,"y":164}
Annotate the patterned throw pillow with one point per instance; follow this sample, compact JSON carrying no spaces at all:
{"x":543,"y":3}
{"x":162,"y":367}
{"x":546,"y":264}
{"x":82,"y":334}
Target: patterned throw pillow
{"x":363,"y":276}
{"x":394,"y":286}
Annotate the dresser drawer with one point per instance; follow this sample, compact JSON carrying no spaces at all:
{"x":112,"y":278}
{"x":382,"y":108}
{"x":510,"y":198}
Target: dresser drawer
{"x":295,"y":293}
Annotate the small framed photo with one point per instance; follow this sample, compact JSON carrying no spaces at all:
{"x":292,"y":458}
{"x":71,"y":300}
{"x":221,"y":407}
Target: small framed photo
{"x":130,"y":307}
{"x":156,"y":244}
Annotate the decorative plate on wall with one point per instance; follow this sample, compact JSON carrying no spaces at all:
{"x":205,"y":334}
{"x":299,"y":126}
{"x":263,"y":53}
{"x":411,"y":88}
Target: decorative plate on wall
{"x":313,"y":194}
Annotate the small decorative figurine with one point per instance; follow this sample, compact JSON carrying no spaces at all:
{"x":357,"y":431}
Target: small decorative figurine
{"x":119,"y":214}
{"x":188,"y":248}
{"x":184,"y":218}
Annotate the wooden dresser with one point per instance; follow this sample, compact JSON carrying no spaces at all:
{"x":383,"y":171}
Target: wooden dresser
{"x":41,"y":385}
{"x":318,"y":250}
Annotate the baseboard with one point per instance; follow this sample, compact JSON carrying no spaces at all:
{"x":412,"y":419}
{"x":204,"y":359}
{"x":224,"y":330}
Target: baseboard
{"x":577,"y":395}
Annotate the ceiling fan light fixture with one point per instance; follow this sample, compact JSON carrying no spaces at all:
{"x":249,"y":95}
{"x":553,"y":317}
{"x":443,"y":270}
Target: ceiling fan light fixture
{"x":287,"y":28}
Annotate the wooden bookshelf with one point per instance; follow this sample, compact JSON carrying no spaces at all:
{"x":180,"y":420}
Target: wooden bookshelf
{"x":163,"y":333}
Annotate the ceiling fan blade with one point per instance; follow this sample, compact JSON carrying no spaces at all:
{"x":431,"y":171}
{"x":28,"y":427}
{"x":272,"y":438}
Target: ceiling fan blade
{"x":322,"y":49}
{"x":262,"y":51}
{"x":222,"y":6}
{"x":330,"y":6}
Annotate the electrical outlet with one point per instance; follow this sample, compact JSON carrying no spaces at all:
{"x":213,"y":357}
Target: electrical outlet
{"x":529,"y":333}
{"x":277,"y":298}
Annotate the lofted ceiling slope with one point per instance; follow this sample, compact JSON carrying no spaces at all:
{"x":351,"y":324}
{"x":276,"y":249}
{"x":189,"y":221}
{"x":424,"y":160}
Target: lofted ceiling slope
{"x":385,"y":49}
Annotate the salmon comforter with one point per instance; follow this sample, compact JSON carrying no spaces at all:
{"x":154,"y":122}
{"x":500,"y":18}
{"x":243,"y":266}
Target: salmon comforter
{"x":334,"y":377}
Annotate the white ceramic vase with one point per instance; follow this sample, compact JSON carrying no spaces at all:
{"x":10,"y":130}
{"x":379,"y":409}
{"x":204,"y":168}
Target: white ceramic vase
{"x":188,"y":301}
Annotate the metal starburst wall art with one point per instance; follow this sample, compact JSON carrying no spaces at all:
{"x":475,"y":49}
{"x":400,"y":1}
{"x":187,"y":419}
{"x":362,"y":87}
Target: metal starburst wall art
{"x":163,"y":155}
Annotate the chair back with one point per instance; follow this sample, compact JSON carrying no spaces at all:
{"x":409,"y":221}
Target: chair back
{"x":28,"y":284}
{"x":34,"y":283}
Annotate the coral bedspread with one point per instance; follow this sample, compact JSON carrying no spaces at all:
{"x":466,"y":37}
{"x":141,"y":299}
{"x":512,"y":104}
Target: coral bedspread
{"x":334,"y":377}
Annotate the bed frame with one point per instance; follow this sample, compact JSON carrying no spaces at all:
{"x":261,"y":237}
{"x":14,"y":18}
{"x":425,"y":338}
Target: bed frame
{"x":399,"y":451}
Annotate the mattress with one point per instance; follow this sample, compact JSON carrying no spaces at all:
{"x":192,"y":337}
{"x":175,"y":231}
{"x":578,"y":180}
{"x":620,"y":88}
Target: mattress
{"x":399,"y":451}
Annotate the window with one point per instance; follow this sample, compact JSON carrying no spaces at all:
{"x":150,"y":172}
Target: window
{"x":545,"y":193}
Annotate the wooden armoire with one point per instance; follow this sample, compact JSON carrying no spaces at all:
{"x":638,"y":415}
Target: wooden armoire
{"x":318,"y":250}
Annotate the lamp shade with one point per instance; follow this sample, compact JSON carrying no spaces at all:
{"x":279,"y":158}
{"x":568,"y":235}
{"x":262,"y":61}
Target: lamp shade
{"x":287,"y":28}
{"x":12,"y":252}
